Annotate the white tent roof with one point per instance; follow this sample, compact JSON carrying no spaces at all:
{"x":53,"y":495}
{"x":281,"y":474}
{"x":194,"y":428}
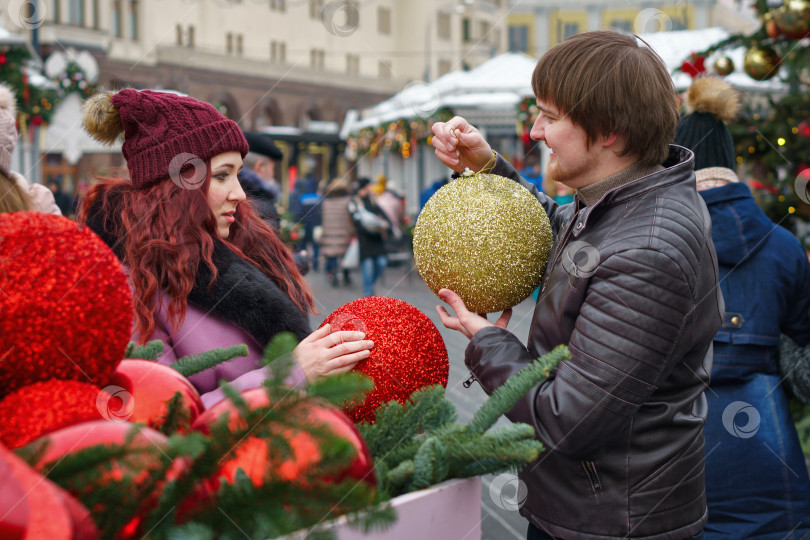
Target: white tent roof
{"x":65,"y":135}
{"x":501,"y":82}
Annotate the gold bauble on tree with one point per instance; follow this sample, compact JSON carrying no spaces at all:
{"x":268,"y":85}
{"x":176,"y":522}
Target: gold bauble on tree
{"x":793,"y":18}
{"x":723,"y":66}
{"x":761,"y":63}
{"x":486,"y":238}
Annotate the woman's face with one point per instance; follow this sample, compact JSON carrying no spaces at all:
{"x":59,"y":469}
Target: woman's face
{"x":224,"y":190}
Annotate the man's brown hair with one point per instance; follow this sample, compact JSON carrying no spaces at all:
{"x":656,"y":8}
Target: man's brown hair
{"x":606,"y":83}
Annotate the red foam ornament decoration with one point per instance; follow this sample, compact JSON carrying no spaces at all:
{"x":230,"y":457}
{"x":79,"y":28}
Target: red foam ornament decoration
{"x":53,"y":513}
{"x":15,"y":511}
{"x":66,"y":311}
{"x":252,"y":455}
{"x":408,"y":353}
{"x":694,"y":65}
{"x":147,"y":387}
{"x":36,"y":409}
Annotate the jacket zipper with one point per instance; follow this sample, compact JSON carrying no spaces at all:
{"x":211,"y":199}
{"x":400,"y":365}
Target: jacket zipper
{"x":468,"y":382}
{"x":590,"y":471}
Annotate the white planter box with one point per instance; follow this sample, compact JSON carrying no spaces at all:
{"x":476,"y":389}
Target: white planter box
{"x":448,"y":511}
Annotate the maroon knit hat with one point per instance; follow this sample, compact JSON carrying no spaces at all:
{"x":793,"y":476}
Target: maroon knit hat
{"x":163,"y":131}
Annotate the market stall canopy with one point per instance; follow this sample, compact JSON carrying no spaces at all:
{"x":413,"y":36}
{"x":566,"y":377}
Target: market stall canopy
{"x":64,"y":135}
{"x":500,"y":82}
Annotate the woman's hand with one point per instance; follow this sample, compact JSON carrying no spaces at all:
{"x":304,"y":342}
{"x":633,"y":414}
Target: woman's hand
{"x":465,"y":321}
{"x":459,"y":145}
{"x":321,"y":353}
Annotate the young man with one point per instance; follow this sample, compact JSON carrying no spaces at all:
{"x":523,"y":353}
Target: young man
{"x":631,"y":288}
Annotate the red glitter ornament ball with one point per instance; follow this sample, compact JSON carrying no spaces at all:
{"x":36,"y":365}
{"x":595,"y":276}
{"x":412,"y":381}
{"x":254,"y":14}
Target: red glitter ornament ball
{"x":66,"y":308}
{"x":140,"y":390}
{"x":408,"y":352}
{"x":252,"y":455}
{"x":46,"y":406}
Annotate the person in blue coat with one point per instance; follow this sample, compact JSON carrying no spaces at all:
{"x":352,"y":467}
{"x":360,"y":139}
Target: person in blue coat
{"x":757,"y":483}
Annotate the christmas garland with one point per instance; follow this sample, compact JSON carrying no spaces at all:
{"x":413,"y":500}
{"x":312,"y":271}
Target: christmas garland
{"x":400,"y":136}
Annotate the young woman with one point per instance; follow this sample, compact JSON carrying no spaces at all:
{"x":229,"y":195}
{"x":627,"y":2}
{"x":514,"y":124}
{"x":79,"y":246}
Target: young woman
{"x":206,"y":272}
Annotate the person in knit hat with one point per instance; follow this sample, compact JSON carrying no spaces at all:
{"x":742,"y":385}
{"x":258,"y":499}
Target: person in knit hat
{"x":206,"y":271}
{"x":757,"y":484}
{"x":15,"y":192}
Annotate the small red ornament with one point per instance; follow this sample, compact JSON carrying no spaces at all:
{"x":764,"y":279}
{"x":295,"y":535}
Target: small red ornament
{"x":147,"y":387}
{"x":803,"y":129}
{"x":252,"y":455}
{"x":694,"y":65}
{"x":53,"y":513}
{"x":37,"y":120}
{"x":66,"y":308}
{"x":36,"y":409}
{"x":3,"y":59}
{"x":408,"y":352}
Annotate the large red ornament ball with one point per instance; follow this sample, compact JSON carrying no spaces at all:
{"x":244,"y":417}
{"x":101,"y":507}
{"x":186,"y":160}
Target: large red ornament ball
{"x":66,"y":308}
{"x":408,"y":352}
{"x":140,"y":390}
{"x":252,"y":455}
{"x":49,"y":512}
{"x":41,"y":407}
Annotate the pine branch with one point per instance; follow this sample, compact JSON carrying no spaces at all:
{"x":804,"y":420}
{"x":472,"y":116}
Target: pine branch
{"x":176,"y":417}
{"x":353,"y":388}
{"x":150,"y":351}
{"x":504,"y":398}
{"x":191,"y":365}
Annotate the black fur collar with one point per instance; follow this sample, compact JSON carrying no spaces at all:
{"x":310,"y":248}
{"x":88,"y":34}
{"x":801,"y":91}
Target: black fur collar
{"x":242,"y":294}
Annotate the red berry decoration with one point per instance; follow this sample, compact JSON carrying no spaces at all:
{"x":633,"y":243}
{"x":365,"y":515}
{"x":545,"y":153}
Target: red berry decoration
{"x":147,"y":387}
{"x":252,"y":455}
{"x":694,"y":65}
{"x":408,"y":352}
{"x":66,"y":308}
{"x":41,"y":407}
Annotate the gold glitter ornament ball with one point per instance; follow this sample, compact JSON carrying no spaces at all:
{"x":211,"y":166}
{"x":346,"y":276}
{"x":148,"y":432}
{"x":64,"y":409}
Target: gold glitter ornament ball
{"x":486,"y":238}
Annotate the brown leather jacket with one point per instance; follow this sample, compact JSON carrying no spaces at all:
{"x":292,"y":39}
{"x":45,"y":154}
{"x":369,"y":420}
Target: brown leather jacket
{"x":632,"y":289}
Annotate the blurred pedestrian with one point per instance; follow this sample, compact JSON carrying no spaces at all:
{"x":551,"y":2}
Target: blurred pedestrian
{"x":257,"y":177}
{"x":757,"y":484}
{"x":307,"y":211}
{"x":372,"y":227}
{"x":338,"y":229}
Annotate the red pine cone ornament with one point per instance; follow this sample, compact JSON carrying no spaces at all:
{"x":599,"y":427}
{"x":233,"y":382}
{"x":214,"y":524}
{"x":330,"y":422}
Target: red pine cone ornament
{"x":408,"y":353}
{"x":66,"y":311}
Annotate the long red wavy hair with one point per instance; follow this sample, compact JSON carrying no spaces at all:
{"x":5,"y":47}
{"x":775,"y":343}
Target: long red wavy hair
{"x":168,"y":231}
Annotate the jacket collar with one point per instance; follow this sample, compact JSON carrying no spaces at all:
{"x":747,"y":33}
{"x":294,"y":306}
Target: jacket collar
{"x":678,"y":168}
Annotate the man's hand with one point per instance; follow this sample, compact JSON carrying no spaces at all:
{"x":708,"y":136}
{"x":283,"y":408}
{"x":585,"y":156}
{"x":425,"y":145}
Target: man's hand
{"x":459,"y":145}
{"x":465,"y":321}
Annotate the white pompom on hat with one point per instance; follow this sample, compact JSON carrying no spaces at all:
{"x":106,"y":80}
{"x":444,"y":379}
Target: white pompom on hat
{"x":8,"y":127}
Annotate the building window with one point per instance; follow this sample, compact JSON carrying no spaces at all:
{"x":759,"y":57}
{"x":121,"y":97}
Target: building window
{"x":466,"y":35}
{"x":385,"y":69}
{"x":179,"y":35}
{"x":57,"y":11}
{"x":444,"y":67}
{"x":278,"y":5}
{"x":316,"y":58}
{"x":239,"y":43}
{"x":282,"y":52}
{"x":519,"y":39}
{"x":190,"y":37}
{"x":75,"y":12}
{"x":133,"y":19}
{"x":315,"y":8}
{"x":484,"y":26}
{"x":443,"y":25}
{"x":352,"y":64}
{"x":229,"y":43}
{"x":620,"y":25}
{"x":384,"y":20}
{"x":570,"y":29}
{"x":117,"y":28}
